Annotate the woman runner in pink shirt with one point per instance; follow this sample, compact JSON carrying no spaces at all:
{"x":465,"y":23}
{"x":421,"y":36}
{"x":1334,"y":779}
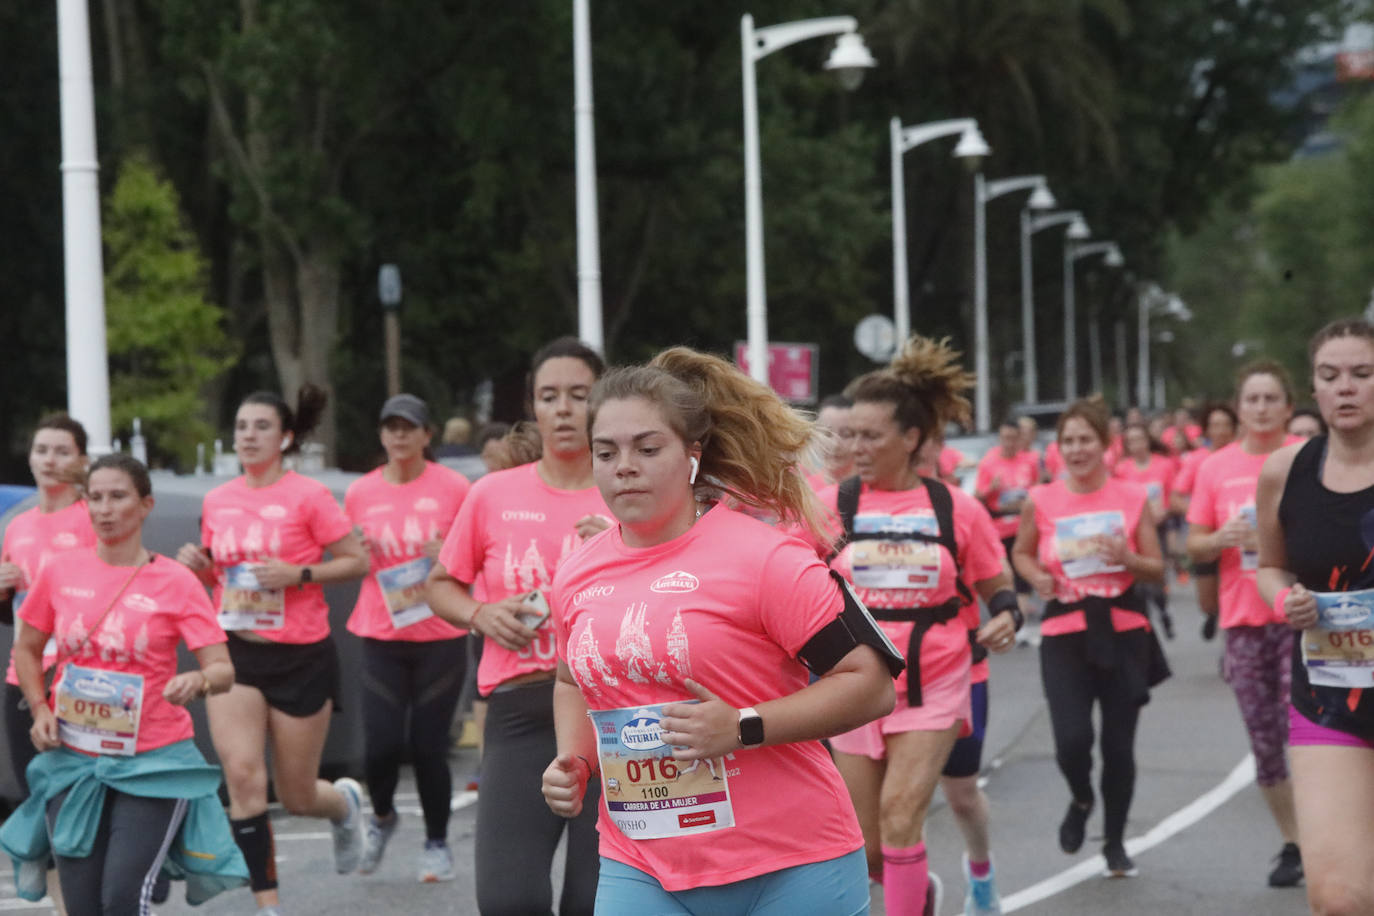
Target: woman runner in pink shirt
{"x":1084,"y":542}
{"x":898,"y":556}
{"x":414,"y":663}
{"x":1145,"y":460}
{"x":1223,"y":528}
{"x":514,"y":530}
{"x":117,"y":703}
{"x":1221,"y":424}
{"x":263,"y":536}
{"x":687,"y":631}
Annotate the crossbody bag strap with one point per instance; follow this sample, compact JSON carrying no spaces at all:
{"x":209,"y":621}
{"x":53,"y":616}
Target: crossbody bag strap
{"x":100,"y":621}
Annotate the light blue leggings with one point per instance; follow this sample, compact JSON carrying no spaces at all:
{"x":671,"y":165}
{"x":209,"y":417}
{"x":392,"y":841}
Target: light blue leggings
{"x":836,"y":887}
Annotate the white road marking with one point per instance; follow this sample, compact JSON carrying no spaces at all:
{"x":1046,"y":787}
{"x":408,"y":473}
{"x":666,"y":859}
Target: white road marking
{"x":1185,"y":817}
{"x":460,"y":801}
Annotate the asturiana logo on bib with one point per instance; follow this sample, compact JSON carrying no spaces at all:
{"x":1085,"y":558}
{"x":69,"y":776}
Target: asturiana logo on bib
{"x":593,"y":591}
{"x":642,"y":733}
{"x":1347,"y":613}
{"x":675,"y":583}
{"x":522,"y":515}
{"x":272,"y":511}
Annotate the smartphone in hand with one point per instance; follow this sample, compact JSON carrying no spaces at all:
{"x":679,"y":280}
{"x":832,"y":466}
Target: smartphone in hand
{"x":535,"y":610}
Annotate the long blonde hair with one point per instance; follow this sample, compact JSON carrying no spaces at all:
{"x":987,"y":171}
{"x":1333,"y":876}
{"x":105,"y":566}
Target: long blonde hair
{"x":750,"y":440}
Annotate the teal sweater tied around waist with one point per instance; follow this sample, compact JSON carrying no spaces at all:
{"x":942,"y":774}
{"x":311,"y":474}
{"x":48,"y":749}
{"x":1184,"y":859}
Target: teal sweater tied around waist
{"x":203,"y":854}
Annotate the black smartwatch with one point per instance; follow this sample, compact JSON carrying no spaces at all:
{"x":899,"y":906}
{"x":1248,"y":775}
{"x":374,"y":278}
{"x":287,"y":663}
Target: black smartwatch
{"x":307,"y":575}
{"x":750,"y":727}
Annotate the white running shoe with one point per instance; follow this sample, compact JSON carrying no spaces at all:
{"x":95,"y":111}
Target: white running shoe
{"x":348,"y":833}
{"x":376,"y":833}
{"x":436,"y":862}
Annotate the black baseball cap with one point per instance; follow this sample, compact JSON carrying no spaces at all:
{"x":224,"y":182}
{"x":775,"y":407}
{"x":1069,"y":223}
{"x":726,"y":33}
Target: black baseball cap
{"x":407,"y":407}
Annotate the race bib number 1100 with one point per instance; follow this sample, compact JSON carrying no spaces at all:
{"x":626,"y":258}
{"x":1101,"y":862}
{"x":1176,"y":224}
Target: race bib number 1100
{"x":648,"y":794}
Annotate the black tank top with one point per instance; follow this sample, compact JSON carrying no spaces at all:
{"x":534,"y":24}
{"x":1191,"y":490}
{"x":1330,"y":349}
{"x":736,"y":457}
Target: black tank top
{"x":1329,"y":538}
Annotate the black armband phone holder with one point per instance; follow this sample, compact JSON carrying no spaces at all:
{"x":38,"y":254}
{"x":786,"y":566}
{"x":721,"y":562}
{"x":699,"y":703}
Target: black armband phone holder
{"x":854,"y":626}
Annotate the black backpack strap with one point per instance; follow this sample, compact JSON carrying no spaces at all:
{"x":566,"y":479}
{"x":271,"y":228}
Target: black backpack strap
{"x":847,"y":505}
{"x":943,"y":506}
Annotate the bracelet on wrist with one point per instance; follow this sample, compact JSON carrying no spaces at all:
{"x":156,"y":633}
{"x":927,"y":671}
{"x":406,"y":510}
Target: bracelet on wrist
{"x":472,"y":621}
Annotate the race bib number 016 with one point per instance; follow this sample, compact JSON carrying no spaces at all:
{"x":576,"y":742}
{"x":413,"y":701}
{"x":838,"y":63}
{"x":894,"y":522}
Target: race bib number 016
{"x":1339,"y":650}
{"x":98,"y":711}
{"x":648,"y":794}
{"x":403,"y":589}
{"x":246,"y":605}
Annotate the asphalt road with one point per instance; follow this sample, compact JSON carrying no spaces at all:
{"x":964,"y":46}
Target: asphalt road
{"x":1199,"y":830}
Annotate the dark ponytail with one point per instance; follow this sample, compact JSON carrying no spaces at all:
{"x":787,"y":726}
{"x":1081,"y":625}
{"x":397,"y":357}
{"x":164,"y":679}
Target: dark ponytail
{"x":310,"y":403}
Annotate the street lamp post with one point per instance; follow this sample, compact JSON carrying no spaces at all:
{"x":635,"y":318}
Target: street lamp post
{"x":1031,"y":224}
{"x":1173,"y":307}
{"x":984,"y":191}
{"x":849,"y":59}
{"x":903,"y":139}
{"x":88,"y":374}
{"x":589,"y":325}
{"x":1073,"y":251}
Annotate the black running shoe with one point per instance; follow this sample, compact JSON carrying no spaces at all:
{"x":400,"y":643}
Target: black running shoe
{"x":1071,"y":829}
{"x":1119,"y":865}
{"x":1287,"y":867}
{"x":1168,"y":623}
{"x":1209,"y":627}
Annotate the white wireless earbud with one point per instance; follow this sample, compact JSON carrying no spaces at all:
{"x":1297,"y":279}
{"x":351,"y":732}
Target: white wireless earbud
{"x":286,"y":442}
{"x":696,"y":465}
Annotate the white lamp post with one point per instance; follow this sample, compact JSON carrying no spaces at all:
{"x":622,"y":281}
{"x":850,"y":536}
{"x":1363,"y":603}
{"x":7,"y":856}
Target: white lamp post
{"x":1073,"y":251}
{"x":903,"y":139}
{"x":1172,"y":306}
{"x":849,"y":60}
{"x":88,"y":370}
{"x":589,"y":326}
{"x":984,"y":191}
{"x":1031,"y":224}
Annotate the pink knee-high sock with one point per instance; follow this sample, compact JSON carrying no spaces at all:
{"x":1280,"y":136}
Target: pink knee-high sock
{"x":905,"y":879}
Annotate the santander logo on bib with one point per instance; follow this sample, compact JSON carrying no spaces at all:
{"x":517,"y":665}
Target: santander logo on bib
{"x":272,"y":511}
{"x":675,"y":583}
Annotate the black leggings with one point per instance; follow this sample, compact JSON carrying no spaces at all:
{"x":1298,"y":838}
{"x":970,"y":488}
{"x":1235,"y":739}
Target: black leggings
{"x":416,"y":683}
{"x":133,"y":837}
{"x":517,"y":834}
{"x":1072,"y":684}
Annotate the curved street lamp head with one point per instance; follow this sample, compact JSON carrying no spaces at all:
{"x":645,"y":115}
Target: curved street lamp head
{"x":849,"y":59}
{"x":1042,"y":199}
{"x":1078,"y":230}
{"x":972,"y":145}
{"x":1113,"y":257}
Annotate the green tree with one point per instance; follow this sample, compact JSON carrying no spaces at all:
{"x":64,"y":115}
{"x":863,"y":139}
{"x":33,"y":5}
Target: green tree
{"x":166,"y":341}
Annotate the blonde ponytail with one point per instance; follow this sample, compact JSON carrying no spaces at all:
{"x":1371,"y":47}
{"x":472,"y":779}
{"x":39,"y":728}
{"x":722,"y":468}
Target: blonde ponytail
{"x":750,"y":440}
{"x":924,"y":383}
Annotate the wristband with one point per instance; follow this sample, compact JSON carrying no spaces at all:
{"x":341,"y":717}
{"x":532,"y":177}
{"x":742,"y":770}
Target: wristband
{"x":205,"y":687}
{"x":1279,"y":600}
{"x":472,"y":621}
{"x":1005,"y":600}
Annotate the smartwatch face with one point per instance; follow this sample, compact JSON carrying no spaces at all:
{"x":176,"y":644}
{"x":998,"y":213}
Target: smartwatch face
{"x":751,"y":731}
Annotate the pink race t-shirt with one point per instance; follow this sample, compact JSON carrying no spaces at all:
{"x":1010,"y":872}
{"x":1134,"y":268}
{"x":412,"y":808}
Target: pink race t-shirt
{"x":1067,"y":524}
{"x":398,"y":521}
{"x":163,"y":605}
{"x":730,"y":604}
{"x":511,"y":534}
{"x":1013,"y":479}
{"x":1188,"y":466}
{"x":1225,"y":487}
{"x":292,"y":520}
{"x":926,"y":571}
{"x":950,"y":459}
{"x":1157,"y":477}
{"x":31,"y":539}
